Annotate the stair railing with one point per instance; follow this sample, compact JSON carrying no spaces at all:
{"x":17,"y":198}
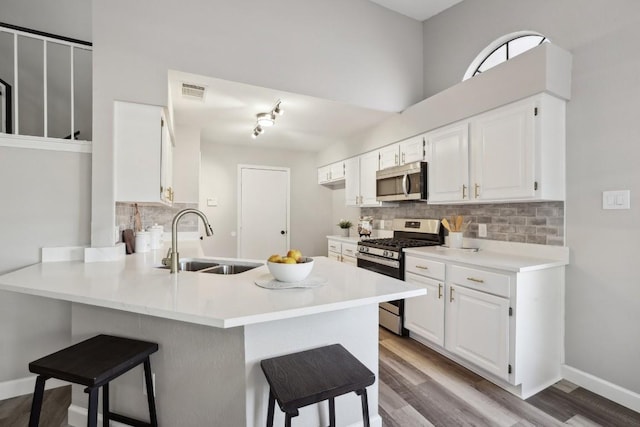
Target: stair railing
{"x":46,"y":38}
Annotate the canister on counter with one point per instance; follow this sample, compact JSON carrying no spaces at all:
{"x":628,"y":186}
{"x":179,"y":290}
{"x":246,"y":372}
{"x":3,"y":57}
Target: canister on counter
{"x":155,"y":236}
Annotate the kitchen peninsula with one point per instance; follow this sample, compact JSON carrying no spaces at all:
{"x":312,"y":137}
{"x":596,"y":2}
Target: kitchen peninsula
{"x":213,"y":330}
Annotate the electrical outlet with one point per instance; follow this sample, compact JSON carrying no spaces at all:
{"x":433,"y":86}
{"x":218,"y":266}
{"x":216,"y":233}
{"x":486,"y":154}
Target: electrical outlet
{"x":482,"y":230}
{"x":153,"y":383}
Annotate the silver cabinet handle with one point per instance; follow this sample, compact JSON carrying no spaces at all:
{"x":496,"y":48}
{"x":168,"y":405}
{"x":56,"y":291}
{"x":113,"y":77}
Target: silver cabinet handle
{"x":422,"y":267}
{"x":451,"y":294}
{"x":473,"y":279}
{"x":439,"y":290}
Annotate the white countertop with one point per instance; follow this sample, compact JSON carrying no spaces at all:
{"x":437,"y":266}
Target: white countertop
{"x":350,"y":239}
{"x":490,"y":259}
{"x":137,"y":285}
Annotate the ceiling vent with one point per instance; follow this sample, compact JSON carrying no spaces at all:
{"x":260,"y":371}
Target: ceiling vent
{"x":192,"y":91}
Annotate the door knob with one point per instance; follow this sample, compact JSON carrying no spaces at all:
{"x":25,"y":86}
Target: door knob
{"x":283,"y":232}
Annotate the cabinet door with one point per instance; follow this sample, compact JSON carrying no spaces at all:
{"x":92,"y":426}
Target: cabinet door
{"x":140,"y":153}
{"x":389,"y":156}
{"x":449,"y":163}
{"x":477,"y":328}
{"x":349,"y":250}
{"x":336,"y":171}
{"x":502,"y":153}
{"x":352,"y":181}
{"x":412,"y":150}
{"x":368,"y":169}
{"x":323,"y":174}
{"x":166,"y":169}
{"x":424,"y":315}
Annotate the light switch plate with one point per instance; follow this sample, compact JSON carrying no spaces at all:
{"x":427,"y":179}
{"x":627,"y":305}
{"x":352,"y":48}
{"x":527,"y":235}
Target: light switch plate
{"x":618,"y":199}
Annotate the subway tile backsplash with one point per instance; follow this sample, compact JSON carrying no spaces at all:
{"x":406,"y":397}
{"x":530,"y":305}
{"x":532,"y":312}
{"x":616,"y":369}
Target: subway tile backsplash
{"x":154,"y":214}
{"x":537,"y":222}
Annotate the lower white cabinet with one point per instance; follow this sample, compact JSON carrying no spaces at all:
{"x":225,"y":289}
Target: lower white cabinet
{"x":478,"y":328}
{"x":505,"y":325}
{"x":424,"y":315}
{"x":343,"y":251}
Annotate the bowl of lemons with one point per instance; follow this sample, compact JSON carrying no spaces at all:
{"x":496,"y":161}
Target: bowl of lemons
{"x":292,"y":267}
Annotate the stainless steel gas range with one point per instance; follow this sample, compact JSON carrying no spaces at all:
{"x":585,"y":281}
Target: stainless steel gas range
{"x":386,"y":256}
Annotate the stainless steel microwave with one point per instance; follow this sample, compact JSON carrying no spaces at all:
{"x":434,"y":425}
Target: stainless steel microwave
{"x":406,"y":182}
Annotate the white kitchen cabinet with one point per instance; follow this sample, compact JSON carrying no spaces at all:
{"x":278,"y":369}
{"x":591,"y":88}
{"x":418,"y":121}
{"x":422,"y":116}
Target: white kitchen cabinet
{"x":502,"y":153}
{"x":424,"y":315}
{"x":331,"y":174}
{"x":343,"y":251}
{"x":360,"y":180}
{"x":477,"y":328}
{"x":389,"y":156}
{"x":412,"y":150}
{"x":512,"y":153}
{"x":143,"y":154}
{"x":449,"y":163}
{"x":506,"y":326}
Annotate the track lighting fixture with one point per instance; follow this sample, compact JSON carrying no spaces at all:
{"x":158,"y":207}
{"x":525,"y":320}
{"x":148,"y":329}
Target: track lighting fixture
{"x":266,"y":119}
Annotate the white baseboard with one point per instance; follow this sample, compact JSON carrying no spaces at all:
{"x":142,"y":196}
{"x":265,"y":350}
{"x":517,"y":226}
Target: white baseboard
{"x":22,"y":386}
{"x":602,"y":387}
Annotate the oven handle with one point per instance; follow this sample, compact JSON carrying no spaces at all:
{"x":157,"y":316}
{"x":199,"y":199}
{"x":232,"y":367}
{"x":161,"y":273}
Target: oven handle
{"x":378,"y":260}
{"x":405,"y":178}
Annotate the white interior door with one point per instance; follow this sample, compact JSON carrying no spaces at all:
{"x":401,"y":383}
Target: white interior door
{"x":263,"y":214}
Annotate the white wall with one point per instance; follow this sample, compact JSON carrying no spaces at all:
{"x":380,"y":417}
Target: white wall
{"x":310,"y":203}
{"x":603,"y":296}
{"x":46,"y":203}
{"x":349,"y":51}
{"x":186,"y":165}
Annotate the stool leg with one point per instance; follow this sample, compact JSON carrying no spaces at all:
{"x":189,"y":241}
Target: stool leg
{"x":105,"y":405}
{"x":287,"y":420}
{"x":272,"y":404}
{"x":92,"y":414}
{"x":36,"y":403}
{"x":153,"y":416}
{"x":365,"y":406}
{"x":332,"y":412}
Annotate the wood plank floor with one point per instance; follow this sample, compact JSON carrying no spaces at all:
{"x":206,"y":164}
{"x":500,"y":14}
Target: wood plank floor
{"x":14,"y":412}
{"x":419,"y":387}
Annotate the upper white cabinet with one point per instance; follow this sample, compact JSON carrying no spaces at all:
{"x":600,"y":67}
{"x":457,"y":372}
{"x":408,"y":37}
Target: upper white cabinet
{"x":360,"y":180}
{"x":412,"y":150}
{"x":143,"y":154}
{"x":389,"y":156}
{"x":332,"y":173}
{"x":512,"y":153}
{"x":403,"y":152}
{"x":449,"y":163}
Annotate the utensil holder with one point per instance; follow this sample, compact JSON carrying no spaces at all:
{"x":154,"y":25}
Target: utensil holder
{"x":455,"y":239}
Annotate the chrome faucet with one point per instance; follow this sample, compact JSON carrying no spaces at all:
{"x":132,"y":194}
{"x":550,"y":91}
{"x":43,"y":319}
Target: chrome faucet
{"x":172,"y":259}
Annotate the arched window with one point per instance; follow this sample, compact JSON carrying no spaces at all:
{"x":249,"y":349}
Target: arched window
{"x":503,"y":49}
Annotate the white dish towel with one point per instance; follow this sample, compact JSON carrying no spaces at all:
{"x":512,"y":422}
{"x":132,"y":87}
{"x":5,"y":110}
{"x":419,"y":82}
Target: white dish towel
{"x":267,"y":281}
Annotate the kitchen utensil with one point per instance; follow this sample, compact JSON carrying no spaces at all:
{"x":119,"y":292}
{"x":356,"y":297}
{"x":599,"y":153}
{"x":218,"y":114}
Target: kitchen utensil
{"x":136,"y":219}
{"x":445,"y":223}
{"x":465,"y":225}
{"x":459,"y":223}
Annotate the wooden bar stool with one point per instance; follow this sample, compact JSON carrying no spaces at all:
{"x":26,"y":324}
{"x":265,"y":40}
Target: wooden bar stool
{"x":94,"y":363}
{"x":300,"y":379}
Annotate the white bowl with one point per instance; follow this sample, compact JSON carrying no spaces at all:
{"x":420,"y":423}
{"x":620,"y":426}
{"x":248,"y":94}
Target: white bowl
{"x":291,"y":272}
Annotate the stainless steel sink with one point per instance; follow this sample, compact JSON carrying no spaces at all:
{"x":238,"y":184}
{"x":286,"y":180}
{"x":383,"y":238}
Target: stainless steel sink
{"x":230,"y":268}
{"x":215,"y":266}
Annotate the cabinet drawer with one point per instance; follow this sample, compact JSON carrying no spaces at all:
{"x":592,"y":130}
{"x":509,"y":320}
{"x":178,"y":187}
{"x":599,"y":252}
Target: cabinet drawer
{"x":425,"y":267}
{"x":349,"y":249}
{"x":334,"y":246}
{"x":485,"y":281}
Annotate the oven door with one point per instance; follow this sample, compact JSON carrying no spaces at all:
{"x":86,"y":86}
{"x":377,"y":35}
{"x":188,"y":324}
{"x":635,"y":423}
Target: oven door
{"x":388,"y":267}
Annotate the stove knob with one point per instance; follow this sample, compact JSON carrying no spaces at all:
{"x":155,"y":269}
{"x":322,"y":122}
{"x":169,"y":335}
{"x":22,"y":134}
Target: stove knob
{"x":385,"y":253}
